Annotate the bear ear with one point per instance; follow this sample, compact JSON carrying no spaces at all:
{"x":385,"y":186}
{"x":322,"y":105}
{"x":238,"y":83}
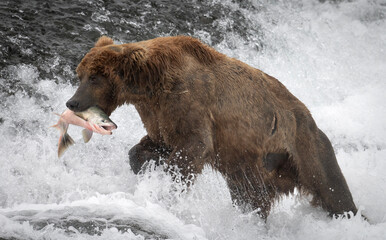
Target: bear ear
{"x":133,"y":58}
{"x":103,"y":41}
{"x":135,"y":54}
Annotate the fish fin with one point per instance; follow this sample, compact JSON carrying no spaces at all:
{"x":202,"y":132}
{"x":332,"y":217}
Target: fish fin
{"x":87,"y":134}
{"x":64,"y":142}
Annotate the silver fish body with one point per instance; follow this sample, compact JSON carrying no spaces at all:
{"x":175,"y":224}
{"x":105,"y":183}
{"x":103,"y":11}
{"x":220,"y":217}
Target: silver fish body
{"x":96,"y":117}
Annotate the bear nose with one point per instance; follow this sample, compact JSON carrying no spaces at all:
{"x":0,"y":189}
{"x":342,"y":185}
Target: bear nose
{"x":72,"y":105}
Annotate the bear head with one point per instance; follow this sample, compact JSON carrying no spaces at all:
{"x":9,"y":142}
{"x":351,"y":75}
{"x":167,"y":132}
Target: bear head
{"x":109,"y":75}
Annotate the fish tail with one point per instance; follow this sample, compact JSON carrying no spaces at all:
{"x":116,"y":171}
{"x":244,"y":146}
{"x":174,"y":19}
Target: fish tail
{"x":64,"y":142}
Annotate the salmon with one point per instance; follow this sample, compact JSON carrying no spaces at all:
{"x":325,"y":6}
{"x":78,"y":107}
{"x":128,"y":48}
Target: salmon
{"x":92,"y":120}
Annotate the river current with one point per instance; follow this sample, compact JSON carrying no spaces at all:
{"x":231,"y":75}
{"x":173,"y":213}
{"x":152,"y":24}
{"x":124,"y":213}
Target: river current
{"x":330,"y":54}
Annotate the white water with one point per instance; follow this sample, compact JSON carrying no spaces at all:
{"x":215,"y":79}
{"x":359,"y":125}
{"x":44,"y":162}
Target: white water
{"x":332,"y":57}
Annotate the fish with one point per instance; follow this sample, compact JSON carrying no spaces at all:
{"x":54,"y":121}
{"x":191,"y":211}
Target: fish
{"x":99,"y":122}
{"x":92,"y":120}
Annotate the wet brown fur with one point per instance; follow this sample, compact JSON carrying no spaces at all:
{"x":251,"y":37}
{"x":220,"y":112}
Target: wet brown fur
{"x":207,"y":108}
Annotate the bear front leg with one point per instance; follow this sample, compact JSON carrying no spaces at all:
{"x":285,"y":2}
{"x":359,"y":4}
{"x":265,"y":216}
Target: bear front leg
{"x":190,"y":158}
{"x":145,"y":151}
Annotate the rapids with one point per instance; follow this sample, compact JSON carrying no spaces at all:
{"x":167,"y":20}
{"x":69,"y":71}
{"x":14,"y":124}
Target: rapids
{"x":330,"y":54}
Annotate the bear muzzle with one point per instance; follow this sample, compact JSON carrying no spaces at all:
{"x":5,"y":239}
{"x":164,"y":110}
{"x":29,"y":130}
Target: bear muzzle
{"x":73,"y":105}
{"x":77,"y":105}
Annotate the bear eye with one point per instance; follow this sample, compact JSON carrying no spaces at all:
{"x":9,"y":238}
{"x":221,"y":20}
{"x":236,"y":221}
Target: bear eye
{"x":93,"y":79}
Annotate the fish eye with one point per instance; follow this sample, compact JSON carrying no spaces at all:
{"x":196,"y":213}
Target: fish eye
{"x":104,"y":120}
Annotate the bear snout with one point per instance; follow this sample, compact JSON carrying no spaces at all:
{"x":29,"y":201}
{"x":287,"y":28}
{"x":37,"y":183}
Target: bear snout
{"x":73,"y":105}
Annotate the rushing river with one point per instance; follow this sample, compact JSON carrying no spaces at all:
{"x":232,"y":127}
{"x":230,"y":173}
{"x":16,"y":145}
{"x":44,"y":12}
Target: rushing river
{"x":330,"y":54}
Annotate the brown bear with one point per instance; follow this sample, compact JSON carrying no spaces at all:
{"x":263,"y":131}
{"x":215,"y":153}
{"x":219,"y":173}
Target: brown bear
{"x":200,"y":107}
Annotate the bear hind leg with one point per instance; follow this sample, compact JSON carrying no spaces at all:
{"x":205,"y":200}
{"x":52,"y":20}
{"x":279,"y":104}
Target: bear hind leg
{"x":321,"y":176}
{"x":335,"y":196}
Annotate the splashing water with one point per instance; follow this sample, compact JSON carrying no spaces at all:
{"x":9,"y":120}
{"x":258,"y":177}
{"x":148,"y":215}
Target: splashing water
{"x":331,"y":55}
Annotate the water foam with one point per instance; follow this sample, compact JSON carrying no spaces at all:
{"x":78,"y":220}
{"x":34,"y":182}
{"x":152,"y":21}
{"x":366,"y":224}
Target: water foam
{"x":331,"y":56}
